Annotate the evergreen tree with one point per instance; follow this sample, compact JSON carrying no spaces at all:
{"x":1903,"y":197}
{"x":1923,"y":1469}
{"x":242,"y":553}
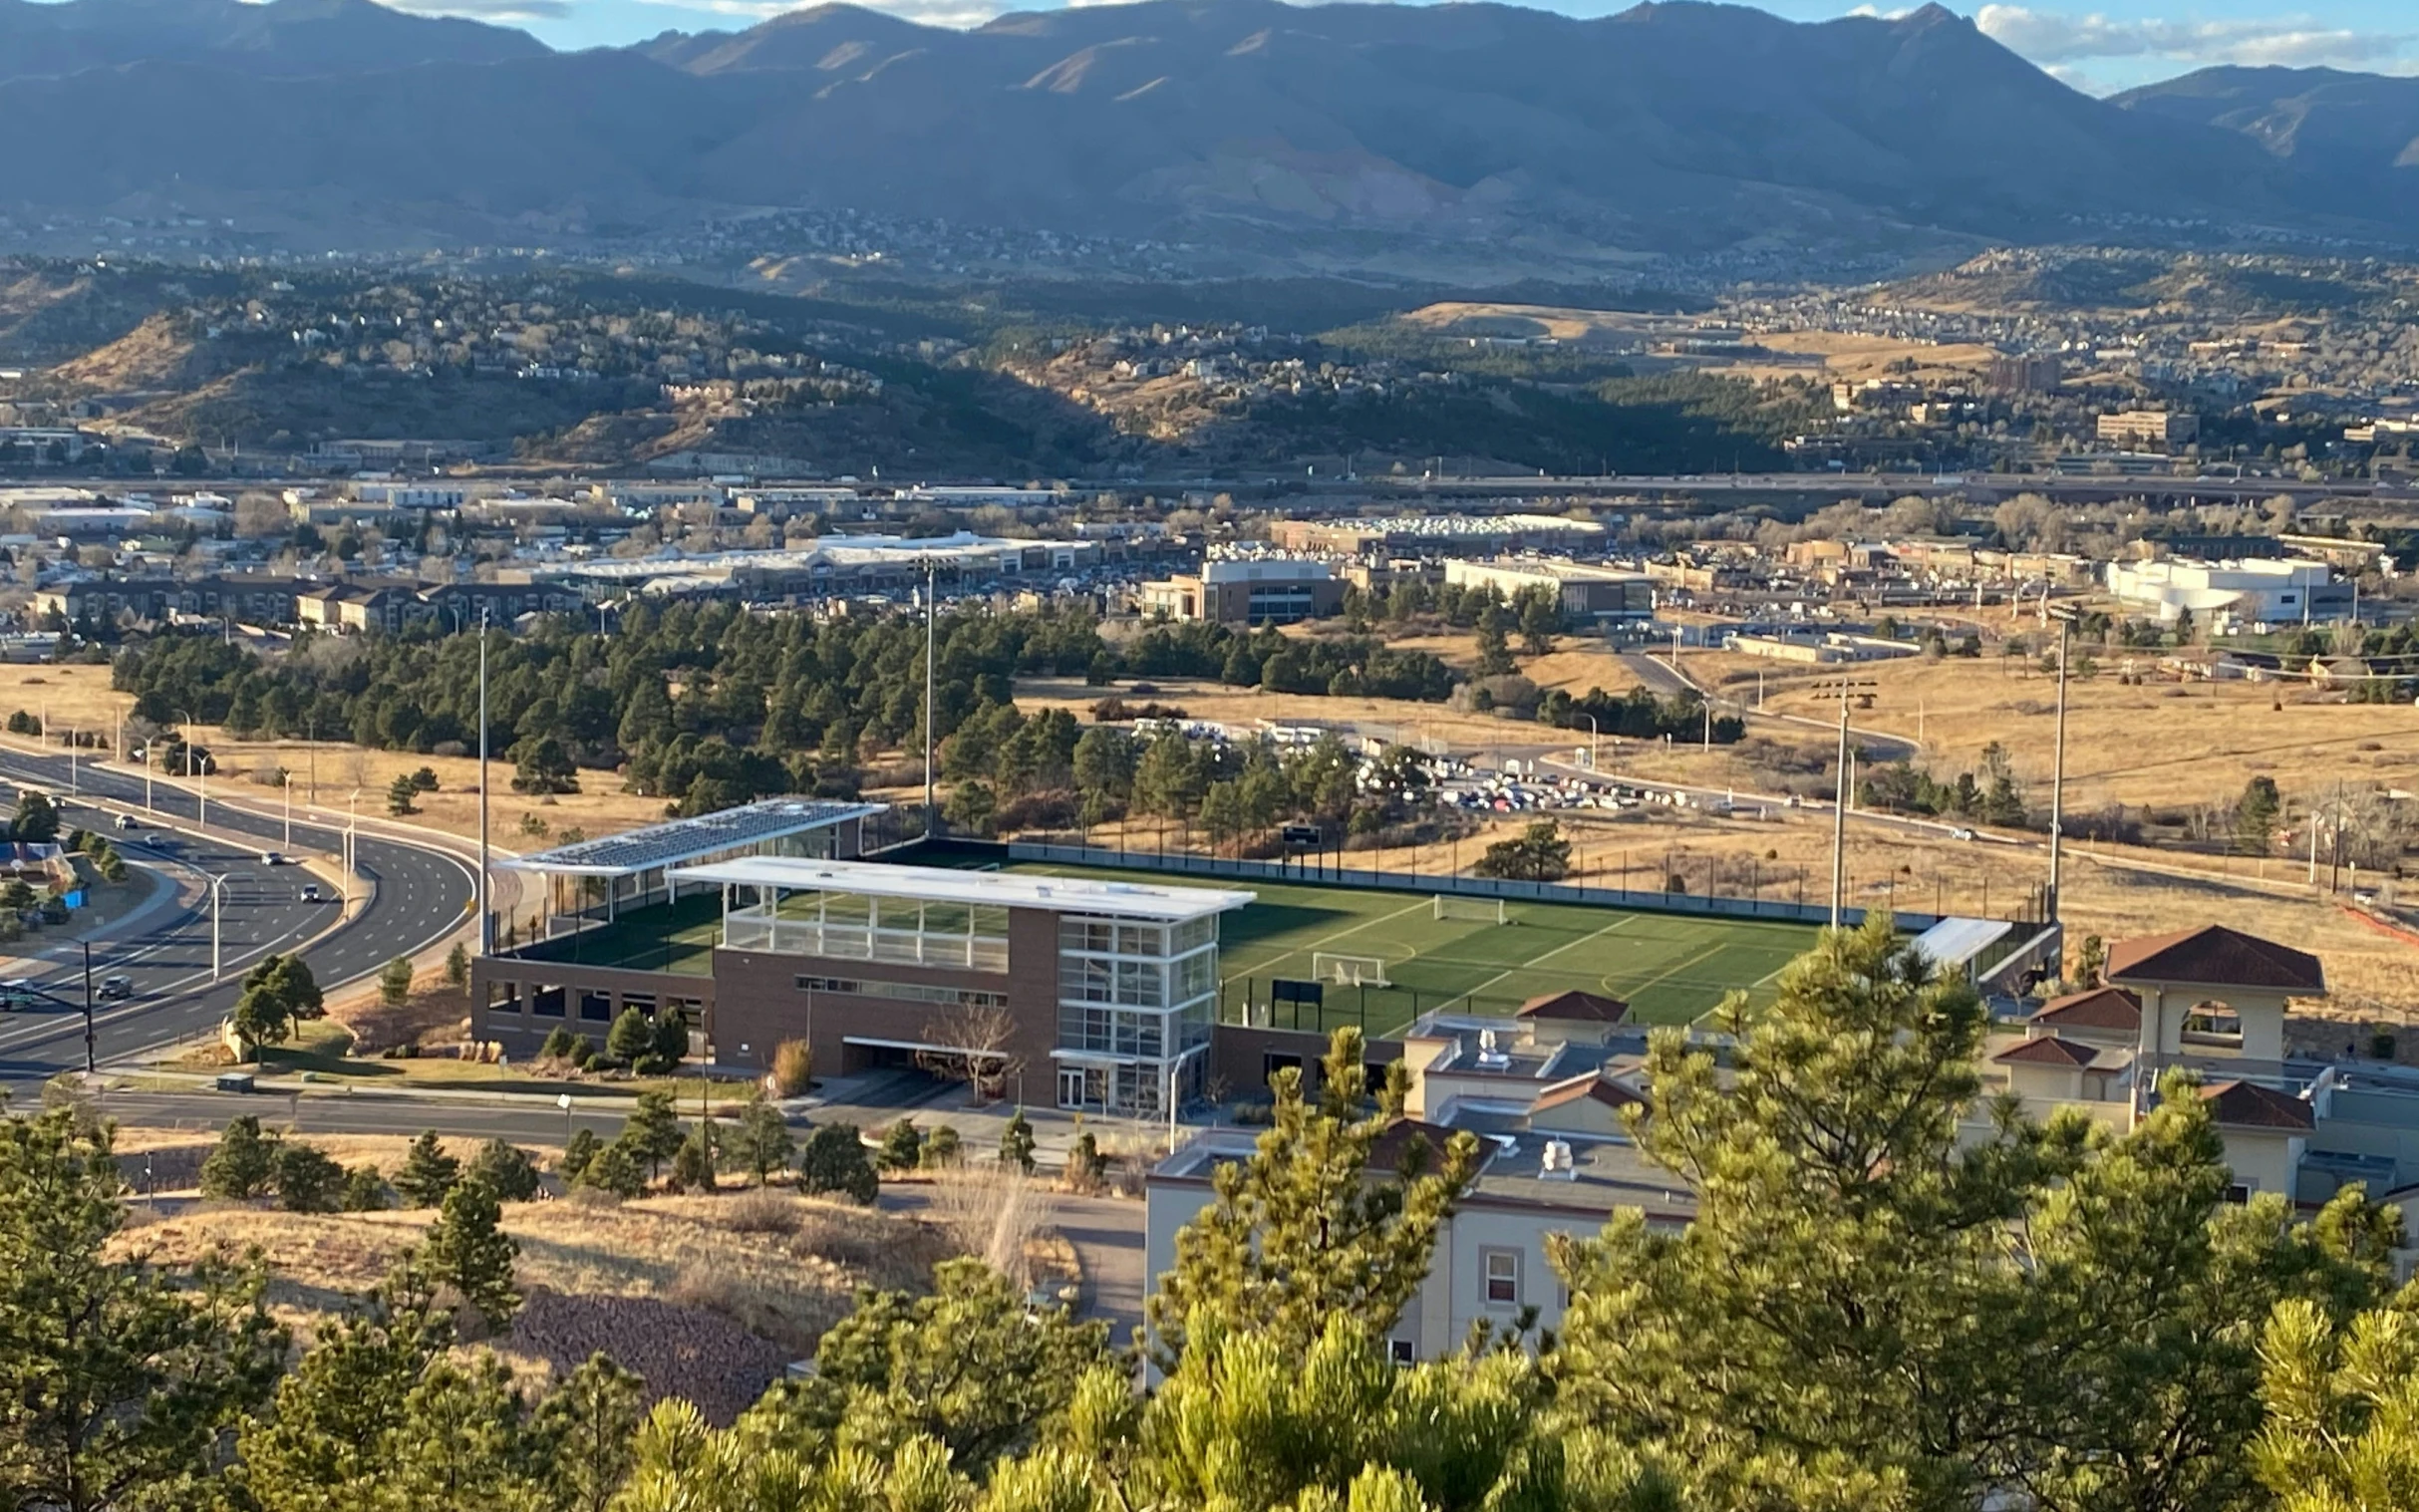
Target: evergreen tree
{"x":428,"y":1173}
{"x":307,"y":1181}
{"x":2256,"y":816}
{"x":1539,"y":854}
{"x":401,"y":797}
{"x":2341,"y":1431}
{"x":467,"y":1250}
{"x":1314,"y":1225}
{"x":460,"y":1441}
{"x":457,"y":967}
{"x":116,"y":1376}
{"x":37,"y":820}
{"x":583,"y":1430}
{"x":613,"y":1168}
{"x":577,"y":1153}
{"x":693,"y":1164}
{"x":834,"y":1162}
{"x":902,"y":1146}
{"x":941,"y":1148}
{"x":653,"y":1130}
{"x":243,"y":1164}
{"x":670,"y":1038}
{"x":1016,"y":1142}
{"x":761,"y":1143}
{"x":505,"y":1169}
{"x":365,"y":1190}
{"x":632,"y":1038}
{"x":395,"y":981}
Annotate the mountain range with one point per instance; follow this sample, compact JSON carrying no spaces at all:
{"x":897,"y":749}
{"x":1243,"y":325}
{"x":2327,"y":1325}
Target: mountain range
{"x":1669,"y":127}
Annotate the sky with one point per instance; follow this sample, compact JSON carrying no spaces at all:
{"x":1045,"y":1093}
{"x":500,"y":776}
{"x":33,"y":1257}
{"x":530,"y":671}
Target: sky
{"x":2112,"y":46}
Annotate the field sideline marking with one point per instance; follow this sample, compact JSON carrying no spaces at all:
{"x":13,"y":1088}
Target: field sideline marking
{"x":1312,"y":947}
{"x":1624,"y":920}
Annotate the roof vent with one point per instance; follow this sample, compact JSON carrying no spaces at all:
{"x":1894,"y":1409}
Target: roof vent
{"x":1489,"y":1056}
{"x":1557,"y":1163}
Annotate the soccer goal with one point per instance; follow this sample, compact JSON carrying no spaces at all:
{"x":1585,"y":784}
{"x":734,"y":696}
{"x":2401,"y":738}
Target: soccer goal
{"x":1484,"y":910}
{"x":1349,"y":970}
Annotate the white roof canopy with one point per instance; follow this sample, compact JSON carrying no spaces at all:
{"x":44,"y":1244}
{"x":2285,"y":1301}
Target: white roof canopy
{"x":931,"y":884}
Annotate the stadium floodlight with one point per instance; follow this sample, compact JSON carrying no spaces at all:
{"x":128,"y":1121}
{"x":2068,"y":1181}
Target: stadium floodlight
{"x":1349,"y":970}
{"x":1483,"y":910}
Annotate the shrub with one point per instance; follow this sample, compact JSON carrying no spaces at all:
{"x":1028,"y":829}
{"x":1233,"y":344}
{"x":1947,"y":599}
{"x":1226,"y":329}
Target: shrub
{"x":506,"y":1169}
{"x":395,"y":981}
{"x":792,"y":1068}
{"x":761,"y":1211}
{"x":834,"y":1162}
{"x":562,"y":1044}
{"x":631,"y":1039}
{"x":1017,"y":1143}
{"x":941,"y":1148}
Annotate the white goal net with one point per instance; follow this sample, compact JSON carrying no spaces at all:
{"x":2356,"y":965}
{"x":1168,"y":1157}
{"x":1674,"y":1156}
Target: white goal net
{"x":1485,"y":910}
{"x":1349,"y":970}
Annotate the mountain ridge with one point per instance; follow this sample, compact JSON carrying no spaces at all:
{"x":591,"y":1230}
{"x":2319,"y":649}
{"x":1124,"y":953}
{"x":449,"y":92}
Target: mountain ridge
{"x":1672,"y":126}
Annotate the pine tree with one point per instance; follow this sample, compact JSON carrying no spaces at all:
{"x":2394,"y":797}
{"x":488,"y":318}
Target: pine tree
{"x":505,"y":1169}
{"x":428,"y":1173}
{"x":693,"y":1164}
{"x":1016,"y":1142}
{"x":577,"y":1153}
{"x":460,"y":1440}
{"x":401,"y":795}
{"x":467,"y":1250}
{"x":613,"y":1168}
{"x":307,"y":1181}
{"x":243,"y":1164}
{"x":942,"y":1149}
{"x":116,"y":1376}
{"x":395,"y":981}
{"x":1301,"y":1232}
{"x":670,"y":1038}
{"x":761,"y":1143}
{"x":902,"y":1146}
{"x":631,"y":1039}
{"x":365,"y":1190}
{"x":584,"y":1430}
{"x":653,"y":1130}
{"x":834,"y":1162}
{"x":457,"y":967}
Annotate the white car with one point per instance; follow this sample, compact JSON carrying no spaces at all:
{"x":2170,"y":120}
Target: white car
{"x":272,"y":858}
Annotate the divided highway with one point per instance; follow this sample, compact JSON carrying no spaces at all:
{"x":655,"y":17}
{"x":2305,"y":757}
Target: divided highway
{"x":421,"y":895}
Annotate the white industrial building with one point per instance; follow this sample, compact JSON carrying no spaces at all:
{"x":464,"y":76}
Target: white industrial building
{"x":1589,"y":595}
{"x":2255,"y":590}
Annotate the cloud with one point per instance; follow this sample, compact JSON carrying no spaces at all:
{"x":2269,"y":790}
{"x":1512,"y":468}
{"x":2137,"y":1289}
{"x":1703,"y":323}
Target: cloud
{"x":486,"y":10}
{"x":2057,"y":40}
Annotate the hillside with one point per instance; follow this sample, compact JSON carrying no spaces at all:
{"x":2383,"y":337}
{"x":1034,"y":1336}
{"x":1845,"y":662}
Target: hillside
{"x":1335,"y":133}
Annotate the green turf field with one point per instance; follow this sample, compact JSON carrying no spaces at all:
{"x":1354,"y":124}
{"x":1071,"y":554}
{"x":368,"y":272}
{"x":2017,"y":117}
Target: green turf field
{"x":1670,"y":968}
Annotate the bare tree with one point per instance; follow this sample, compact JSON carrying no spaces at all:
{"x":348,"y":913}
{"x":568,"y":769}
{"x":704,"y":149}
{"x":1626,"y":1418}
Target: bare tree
{"x":970,"y":1044}
{"x":993,"y":1213}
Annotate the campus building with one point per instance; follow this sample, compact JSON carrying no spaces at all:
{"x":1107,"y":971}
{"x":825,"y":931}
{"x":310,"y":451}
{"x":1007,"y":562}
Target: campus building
{"x":1268,"y":591}
{"x":2252,"y":590}
{"x":763,"y":926}
{"x":1589,"y":595}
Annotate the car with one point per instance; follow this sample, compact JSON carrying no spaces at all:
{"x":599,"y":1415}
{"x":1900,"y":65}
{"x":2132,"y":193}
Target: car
{"x":115,"y":987}
{"x":1961,"y":835}
{"x":234,"y":1082}
{"x":18,"y":991}
{"x":127,"y":822}
{"x":310,"y":892}
{"x":272,"y":858}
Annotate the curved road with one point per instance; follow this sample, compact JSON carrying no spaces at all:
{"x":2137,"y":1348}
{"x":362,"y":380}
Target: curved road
{"x":422,"y":896}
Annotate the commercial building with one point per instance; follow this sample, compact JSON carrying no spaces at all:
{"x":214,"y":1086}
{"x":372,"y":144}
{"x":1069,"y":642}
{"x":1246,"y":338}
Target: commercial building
{"x":1266,"y":591}
{"x":2148,"y":428}
{"x":1589,"y":595}
{"x":2255,"y":591}
{"x":2027,"y":375}
{"x":834,"y":566}
{"x":1437,"y":535}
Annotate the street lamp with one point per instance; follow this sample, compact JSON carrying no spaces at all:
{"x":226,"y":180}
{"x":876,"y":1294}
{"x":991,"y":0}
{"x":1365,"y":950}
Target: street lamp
{"x":286,"y":788}
{"x":1592,"y":739}
{"x":563,"y":1102}
{"x":202,"y":812}
{"x":351,"y":848}
{"x":217,"y":891}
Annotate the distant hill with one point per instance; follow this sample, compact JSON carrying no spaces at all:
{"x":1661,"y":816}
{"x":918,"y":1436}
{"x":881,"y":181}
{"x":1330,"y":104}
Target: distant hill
{"x":2341,"y":133}
{"x":1669,"y":127}
{"x":278,"y":39}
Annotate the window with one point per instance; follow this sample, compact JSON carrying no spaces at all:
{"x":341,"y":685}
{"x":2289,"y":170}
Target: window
{"x":903,"y":992}
{"x":2239,"y":1193}
{"x":1503,"y":1276}
{"x":1400,"y":1353}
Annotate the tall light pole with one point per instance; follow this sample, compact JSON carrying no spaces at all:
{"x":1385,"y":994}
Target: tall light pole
{"x":2064,"y":614}
{"x":71,"y":759}
{"x":485,"y":942}
{"x":932,"y":813}
{"x":285,"y":786}
{"x":217,"y":890}
{"x":1839,"y":818}
{"x":352,"y":847}
{"x":1592,"y":735}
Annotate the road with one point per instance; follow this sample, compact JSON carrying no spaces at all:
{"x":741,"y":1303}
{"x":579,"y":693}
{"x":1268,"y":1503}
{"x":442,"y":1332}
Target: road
{"x":420,"y":898}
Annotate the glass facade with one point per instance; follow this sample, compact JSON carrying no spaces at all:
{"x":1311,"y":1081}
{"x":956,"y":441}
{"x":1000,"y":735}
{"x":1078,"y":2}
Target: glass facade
{"x":1134,"y":999}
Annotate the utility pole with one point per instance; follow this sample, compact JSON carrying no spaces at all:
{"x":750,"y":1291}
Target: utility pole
{"x":932,"y":813}
{"x":1839,"y":818}
{"x":486,"y":943}
{"x":2335,"y":863}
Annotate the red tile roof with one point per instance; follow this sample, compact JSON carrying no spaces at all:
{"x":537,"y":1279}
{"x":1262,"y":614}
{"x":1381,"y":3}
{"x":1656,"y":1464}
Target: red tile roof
{"x":1592,"y":1085}
{"x":2215,"y":956}
{"x":2109,"y":1008}
{"x":1590,"y":1008}
{"x":2049,"y":1051}
{"x":2248,"y":1104}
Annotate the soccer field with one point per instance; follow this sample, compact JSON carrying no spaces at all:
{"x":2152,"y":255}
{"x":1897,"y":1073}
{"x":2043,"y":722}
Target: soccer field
{"x":1670,"y":968}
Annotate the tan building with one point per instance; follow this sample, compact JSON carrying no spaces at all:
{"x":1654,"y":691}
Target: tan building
{"x":1274,"y":591}
{"x":1589,"y":595}
{"x":2142,"y":428}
